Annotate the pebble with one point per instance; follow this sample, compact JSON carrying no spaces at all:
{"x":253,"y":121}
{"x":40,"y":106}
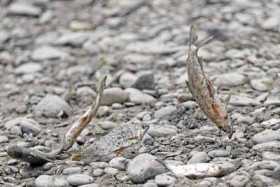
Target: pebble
{"x":151,"y":48}
{"x":118,"y":163}
{"x":4,"y":36}
{"x":127,"y":79}
{"x":4,"y":139}
{"x":150,"y":184}
{"x":144,"y":167}
{"x":97,"y":172}
{"x":145,"y":80}
{"x":198,"y":157}
{"x":86,"y":94}
{"x":53,"y":181}
{"x":114,"y":95}
{"x":107,"y":125}
{"x":266,"y":136}
{"x":271,"y":156}
{"x":270,"y":23}
{"x":267,"y":146}
{"x":79,"y":179}
{"x":111,"y":171}
{"x":23,"y":125}
{"x":218,"y":153}
{"x":165,"y":112}
{"x":24,"y":9}
{"x":239,"y":180}
{"x":90,"y":185}
{"x":28,"y":68}
{"x":51,"y":106}
{"x":262,"y":84}
{"x":165,"y":180}
{"x":162,"y":130}
{"x":48,"y":53}
{"x":72,"y":170}
{"x":230,"y":79}
{"x":75,"y":39}
{"x":242,"y":100}
{"x":138,"y":97}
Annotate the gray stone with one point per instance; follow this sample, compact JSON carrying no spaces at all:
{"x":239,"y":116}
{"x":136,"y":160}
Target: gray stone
{"x":119,"y":163}
{"x":97,"y":172}
{"x":86,"y":94}
{"x":4,"y":36}
{"x":106,"y":125}
{"x":239,"y":180}
{"x":272,"y":100}
{"x":271,"y":23}
{"x":127,"y":79}
{"x":79,"y":179}
{"x":52,"y":106}
{"x":230,"y":79}
{"x":51,"y":181}
{"x":24,"y":9}
{"x":165,"y":180}
{"x":159,"y":130}
{"x":28,"y":68}
{"x":145,"y":80}
{"x":261,"y":180}
{"x":152,"y":48}
{"x":111,"y":171}
{"x":144,"y":167}
{"x":198,"y":157}
{"x":90,"y":185}
{"x":75,"y":39}
{"x":48,"y":53}
{"x":23,"y":125}
{"x":150,"y":184}
{"x":262,"y":84}
{"x":267,"y":146}
{"x":4,"y":139}
{"x":242,"y":100}
{"x":266,"y":136}
{"x":114,"y":95}
{"x":218,"y":153}
{"x":72,"y":170}
{"x":138,"y":97}
{"x":271,"y":156}
{"x":164,"y":113}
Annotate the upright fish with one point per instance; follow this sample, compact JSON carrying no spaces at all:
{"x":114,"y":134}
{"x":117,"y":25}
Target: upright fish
{"x":202,"y":88}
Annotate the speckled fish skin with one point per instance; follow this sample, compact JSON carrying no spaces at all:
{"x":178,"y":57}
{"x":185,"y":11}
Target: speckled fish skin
{"x":203,"y":91}
{"x":104,"y":149}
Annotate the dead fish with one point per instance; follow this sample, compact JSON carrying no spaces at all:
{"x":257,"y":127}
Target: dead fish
{"x":202,"y":88}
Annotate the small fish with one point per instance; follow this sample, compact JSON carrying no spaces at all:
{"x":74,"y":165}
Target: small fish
{"x":202,"y":88}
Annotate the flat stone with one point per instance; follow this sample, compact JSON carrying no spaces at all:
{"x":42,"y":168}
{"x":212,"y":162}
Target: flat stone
{"x":218,"y":153}
{"x":24,"y":9}
{"x":138,"y":97}
{"x":165,"y":180}
{"x":28,"y":68}
{"x":165,"y":112}
{"x":262,"y":84}
{"x":51,"y":181}
{"x":230,"y":79}
{"x":266,"y":136}
{"x":152,"y":48}
{"x":72,"y":170}
{"x":159,"y":130}
{"x":48,"y":53}
{"x":198,"y":157}
{"x":127,"y":79}
{"x":111,"y":171}
{"x":114,"y":95}
{"x":144,"y":167}
{"x":242,"y":100}
{"x":75,"y":39}
{"x":267,"y":146}
{"x":51,"y":106}
{"x":145,"y":80}
{"x":271,"y":156}
{"x":79,"y":179}
{"x":23,"y":125}
{"x":90,"y":185}
{"x":106,"y":125}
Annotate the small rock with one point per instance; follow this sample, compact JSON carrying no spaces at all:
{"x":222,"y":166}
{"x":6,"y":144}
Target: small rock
{"x":272,"y":100}
{"x":75,"y":39}
{"x":198,"y":157}
{"x":263,"y":84}
{"x":72,"y":170}
{"x":164,"y":113}
{"x":90,"y":185}
{"x":79,"y":179}
{"x":119,"y":163}
{"x":143,"y":167}
{"x":242,"y":100}
{"x":267,"y":146}
{"x":230,"y":79}
{"x":28,"y":68}
{"x":271,"y":156}
{"x":138,"y":97}
{"x":97,"y":172}
{"x":76,"y":25}
{"x":23,"y":125}
{"x":266,"y":136}
{"x":114,"y":95}
{"x":51,"y":181}
{"x":86,"y":94}
{"x":165,"y":180}
{"x":145,"y":80}
{"x":152,"y":48}
{"x":4,"y":36}
{"x":111,"y":171}
{"x":127,"y":79}
{"x":51,"y":106}
{"x":239,"y":180}
{"x":271,"y":23}
{"x":159,"y":130}
{"x":218,"y":153}
{"x":4,"y":139}
{"x":24,"y":9}
{"x":150,"y":184}
{"x":48,"y":53}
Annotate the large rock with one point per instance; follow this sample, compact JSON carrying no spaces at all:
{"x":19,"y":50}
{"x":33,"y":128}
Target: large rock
{"x":144,"y":167}
{"x":52,"y":106}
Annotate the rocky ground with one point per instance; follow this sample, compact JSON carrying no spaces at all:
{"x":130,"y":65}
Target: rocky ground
{"x":52,"y":52}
